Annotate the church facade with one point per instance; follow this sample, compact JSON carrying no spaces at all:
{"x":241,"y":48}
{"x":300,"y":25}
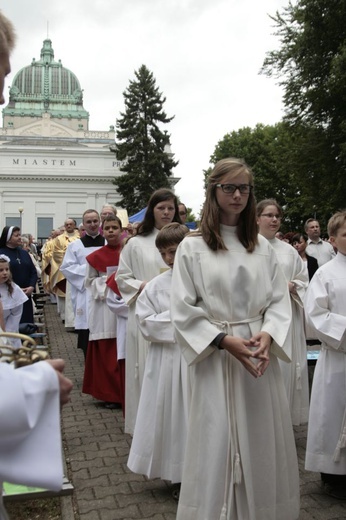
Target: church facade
{"x":51,"y":165}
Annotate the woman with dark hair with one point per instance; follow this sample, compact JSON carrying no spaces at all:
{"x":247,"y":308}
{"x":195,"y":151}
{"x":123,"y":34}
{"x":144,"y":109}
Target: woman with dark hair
{"x":300,"y":242}
{"x":139,"y":262}
{"x":23,"y":270}
{"x":231,"y":313}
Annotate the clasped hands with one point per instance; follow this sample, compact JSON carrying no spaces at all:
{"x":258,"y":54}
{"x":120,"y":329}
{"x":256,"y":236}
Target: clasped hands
{"x":241,"y":349}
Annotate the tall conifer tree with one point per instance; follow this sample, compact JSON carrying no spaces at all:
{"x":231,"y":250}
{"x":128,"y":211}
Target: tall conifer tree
{"x":141,"y":144}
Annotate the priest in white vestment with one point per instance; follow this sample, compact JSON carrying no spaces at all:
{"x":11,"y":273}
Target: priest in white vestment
{"x":74,"y":270}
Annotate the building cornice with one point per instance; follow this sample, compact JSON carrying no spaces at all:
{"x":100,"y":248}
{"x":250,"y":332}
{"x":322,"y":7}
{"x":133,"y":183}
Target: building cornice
{"x":56,"y":178}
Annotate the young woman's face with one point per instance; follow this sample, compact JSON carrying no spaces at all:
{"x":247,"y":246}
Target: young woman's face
{"x":112,"y":231}
{"x":164,"y":213}
{"x":15,"y":240}
{"x":269,"y":221}
{"x":232,"y":204}
{"x":300,"y":246}
{"x":4,"y":272}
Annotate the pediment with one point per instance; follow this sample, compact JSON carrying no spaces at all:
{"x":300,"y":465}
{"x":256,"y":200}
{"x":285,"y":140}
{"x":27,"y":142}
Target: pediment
{"x":42,"y":129}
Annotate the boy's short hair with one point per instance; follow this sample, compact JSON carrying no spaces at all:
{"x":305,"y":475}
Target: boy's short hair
{"x":171,"y":234}
{"x":112,"y":218}
{"x":335,"y":222}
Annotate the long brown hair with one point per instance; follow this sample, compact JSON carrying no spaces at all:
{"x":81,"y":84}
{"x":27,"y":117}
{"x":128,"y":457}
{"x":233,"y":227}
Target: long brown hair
{"x":210,"y":221}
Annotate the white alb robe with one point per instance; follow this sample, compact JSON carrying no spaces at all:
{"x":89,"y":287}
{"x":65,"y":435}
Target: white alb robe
{"x":73,"y":268}
{"x":241,"y":460}
{"x":325,"y":310}
{"x":13,"y":307}
{"x":295,"y":374}
{"x":159,"y":440}
{"x":139,"y":261}
{"x":30,"y":438}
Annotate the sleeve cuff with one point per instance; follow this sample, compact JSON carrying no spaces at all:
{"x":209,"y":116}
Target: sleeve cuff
{"x":216,"y":341}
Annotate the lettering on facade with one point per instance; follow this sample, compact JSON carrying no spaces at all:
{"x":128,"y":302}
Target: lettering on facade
{"x":43,"y":162}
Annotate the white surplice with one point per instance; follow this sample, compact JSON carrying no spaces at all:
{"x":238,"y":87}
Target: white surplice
{"x":295,"y":374}
{"x":30,"y":439}
{"x":325,"y":309}
{"x":117,"y":305}
{"x":159,"y":440}
{"x":139,"y":261}
{"x":73,"y":268}
{"x":101,"y":320}
{"x":241,"y":460}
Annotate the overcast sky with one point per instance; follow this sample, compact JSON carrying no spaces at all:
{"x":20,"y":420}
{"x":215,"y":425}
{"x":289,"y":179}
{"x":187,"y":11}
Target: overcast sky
{"x":204,"y":54}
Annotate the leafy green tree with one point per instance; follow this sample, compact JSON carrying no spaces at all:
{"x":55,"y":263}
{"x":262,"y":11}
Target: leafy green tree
{"x":311,"y":67}
{"x":190,"y":216}
{"x":265,"y":149}
{"x":141,"y":144}
{"x":281,"y":171}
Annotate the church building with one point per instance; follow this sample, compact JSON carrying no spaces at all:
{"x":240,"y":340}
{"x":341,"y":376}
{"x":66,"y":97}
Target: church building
{"x":51,"y":165}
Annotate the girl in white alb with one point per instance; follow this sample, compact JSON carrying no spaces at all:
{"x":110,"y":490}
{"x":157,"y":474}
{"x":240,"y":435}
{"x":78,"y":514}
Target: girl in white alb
{"x":12,"y":299}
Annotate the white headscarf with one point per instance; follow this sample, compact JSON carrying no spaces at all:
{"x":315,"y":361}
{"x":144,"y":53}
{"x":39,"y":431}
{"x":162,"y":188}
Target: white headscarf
{"x":9,"y":233}
{"x":4,"y":257}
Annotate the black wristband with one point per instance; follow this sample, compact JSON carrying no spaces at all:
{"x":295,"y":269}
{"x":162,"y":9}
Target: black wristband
{"x":216,"y":341}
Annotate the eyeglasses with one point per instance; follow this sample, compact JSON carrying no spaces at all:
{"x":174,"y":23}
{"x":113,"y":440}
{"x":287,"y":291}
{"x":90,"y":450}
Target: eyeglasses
{"x":232,"y":188}
{"x":182,"y":212}
{"x":271,"y":216}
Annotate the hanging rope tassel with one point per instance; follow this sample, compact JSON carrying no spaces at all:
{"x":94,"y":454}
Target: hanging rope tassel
{"x":298,"y":376}
{"x":237,"y":473}
{"x":340,"y":445}
{"x":223,"y":515}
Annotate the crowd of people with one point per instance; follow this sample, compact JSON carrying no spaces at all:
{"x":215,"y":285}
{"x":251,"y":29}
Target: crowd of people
{"x":200,"y":337}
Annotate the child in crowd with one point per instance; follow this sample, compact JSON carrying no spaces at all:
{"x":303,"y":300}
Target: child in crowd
{"x":102,"y":375}
{"x":325,"y":308}
{"x":158,"y":444}
{"x":12,"y":299}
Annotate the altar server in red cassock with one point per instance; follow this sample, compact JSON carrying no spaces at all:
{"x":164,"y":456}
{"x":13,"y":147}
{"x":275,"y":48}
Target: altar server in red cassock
{"x":102,"y":376}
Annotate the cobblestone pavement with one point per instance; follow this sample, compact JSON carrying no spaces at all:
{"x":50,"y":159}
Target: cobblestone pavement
{"x":96,"y":450}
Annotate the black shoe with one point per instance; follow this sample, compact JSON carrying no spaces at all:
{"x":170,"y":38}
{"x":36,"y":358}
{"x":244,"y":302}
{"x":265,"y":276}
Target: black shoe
{"x":113,"y":406}
{"x":176,"y":492}
{"x":335,"y":491}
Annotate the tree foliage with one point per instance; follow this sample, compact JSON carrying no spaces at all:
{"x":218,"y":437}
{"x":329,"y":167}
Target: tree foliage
{"x":280,"y":172}
{"x":311,"y":66}
{"x":190,"y":216}
{"x":141,"y":144}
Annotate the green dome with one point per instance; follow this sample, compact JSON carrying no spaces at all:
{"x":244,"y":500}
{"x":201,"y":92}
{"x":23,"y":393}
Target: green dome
{"x":46,"y":86}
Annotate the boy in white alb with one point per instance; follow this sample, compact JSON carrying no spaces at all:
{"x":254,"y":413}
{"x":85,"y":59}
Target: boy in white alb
{"x":159,"y":438}
{"x":325,"y":308}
